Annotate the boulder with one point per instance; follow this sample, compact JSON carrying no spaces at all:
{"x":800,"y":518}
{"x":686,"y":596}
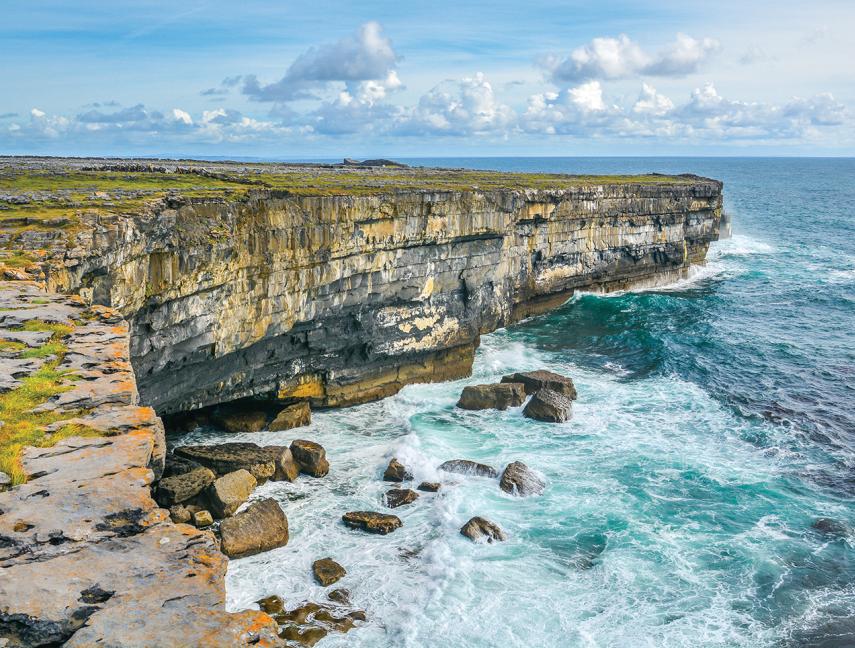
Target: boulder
{"x":400,"y":496}
{"x":550,"y":406}
{"x":327,"y":571}
{"x":224,"y":458}
{"x":240,"y":420}
{"x":519,"y":479}
{"x":372,"y":522}
{"x":396,"y":472}
{"x":175,"y":465}
{"x":480,"y":530}
{"x":202,"y":519}
{"x":180,"y":514}
{"x":286,"y":468}
{"x":498,"y":396}
{"x":429,"y":487}
{"x":292,"y":416}
{"x":466,"y":467}
{"x":311,"y":457}
{"x":228,"y":492}
{"x":180,"y":488}
{"x":533,"y":381}
{"x":261,"y":527}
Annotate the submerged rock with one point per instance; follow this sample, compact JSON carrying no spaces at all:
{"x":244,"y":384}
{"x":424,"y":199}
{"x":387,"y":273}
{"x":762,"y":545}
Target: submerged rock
{"x":519,"y":479}
{"x":339,"y":595}
{"x":396,"y":472}
{"x":372,"y":522}
{"x":400,"y":496}
{"x":479,"y":529}
{"x":296,"y":415}
{"x":272,"y":604}
{"x":224,"y":458}
{"x":831,"y":527}
{"x":229,"y":492}
{"x":180,"y":488}
{"x":311,"y":457}
{"x":429,"y":487}
{"x":327,"y":571}
{"x":467,"y":467}
{"x":498,"y":396}
{"x":240,"y":420}
{"x":261,"y":527}
{"x":533,"y":381}
{"x":549,"y":406}
{"x":311,"y":622}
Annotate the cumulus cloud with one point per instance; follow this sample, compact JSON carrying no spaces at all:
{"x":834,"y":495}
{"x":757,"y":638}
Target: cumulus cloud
{"x":364,"y":57}
{"x":622,"y":58}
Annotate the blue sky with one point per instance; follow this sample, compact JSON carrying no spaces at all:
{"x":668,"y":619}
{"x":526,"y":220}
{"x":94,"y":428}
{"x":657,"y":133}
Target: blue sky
{"x":331,"y":79}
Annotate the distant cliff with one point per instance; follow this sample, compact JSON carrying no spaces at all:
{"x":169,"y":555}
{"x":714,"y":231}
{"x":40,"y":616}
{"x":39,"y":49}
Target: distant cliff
{"x":347,"y":295}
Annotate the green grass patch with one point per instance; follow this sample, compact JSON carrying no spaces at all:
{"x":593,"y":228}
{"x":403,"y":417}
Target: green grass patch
{"x":10,"y":346}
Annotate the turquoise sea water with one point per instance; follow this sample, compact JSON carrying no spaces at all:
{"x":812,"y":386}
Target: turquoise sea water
{"x":715,"y":423}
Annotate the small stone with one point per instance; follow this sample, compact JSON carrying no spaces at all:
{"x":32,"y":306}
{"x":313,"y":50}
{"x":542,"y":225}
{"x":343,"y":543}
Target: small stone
{"x":371,"y":522}
{"x":261,"y":527}
{"x":179,"y":514}
{"x":311,"y":457}
{"x":498,"y":396}
{"x":400,"y":496}
{"x":271,"y":604}
{"x":202,"y":519}
{"x":549,"y":406}
{"x":241,"y":421}
{"x":519,"y":479}
{"x":466,"y":467}
{"x":327,"y":571}
{"x":339,"y":595}
{"x":429,"y":487}
{"x":396,"y":472}
{"x":533,"y":381}
{"x":228,"y":492}
{"x":292,"y":416}
{"x":479,"y":530}
{"x":179,"y":488}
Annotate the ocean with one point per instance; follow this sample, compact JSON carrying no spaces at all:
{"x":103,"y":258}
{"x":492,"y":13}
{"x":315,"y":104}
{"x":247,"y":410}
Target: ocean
{"x":715,"y":423}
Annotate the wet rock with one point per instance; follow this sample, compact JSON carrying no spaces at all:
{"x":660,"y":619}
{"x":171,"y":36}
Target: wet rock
{"x":327,"y":571}
{"x":429,"y":487}
{"x":180,"y":514}
{"x":533,"y":381}
{"x":304,"y":636}
{"x":229,"y":492}
{"x":519,"y":479}
{"x":396,"y":472}
{"x":466,"y":467}
{"x":311,"y":622}
{"x":498,"y":396}
{"x":261,"y":527}
{"x":311,"y":457}
{"x":240,"y":420}
{"x":400,"y":496}
{"x":286,"y":468}
{"x":549,"y":406}
{"x":224,"y":458}
{"x":340,"y":595}
{"x":828,"y":526}
{"x":371,"y":522}
{"x":479,"y":529}
{"x":272,"y":604}
{"x":179,"y":488}
{"x":292,"y":416}
{"x":202,"y":519}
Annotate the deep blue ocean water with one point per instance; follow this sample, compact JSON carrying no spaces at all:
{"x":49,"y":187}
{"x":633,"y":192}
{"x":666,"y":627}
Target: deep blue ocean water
{"x":715,"y":424}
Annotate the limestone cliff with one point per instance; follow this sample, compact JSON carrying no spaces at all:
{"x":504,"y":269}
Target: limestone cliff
{"x":347,"y":297}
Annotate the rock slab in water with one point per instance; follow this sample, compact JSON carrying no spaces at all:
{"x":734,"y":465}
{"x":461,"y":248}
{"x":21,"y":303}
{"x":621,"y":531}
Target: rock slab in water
{"x":479,"y":529}
{"x":429,"y":487}
{"x":272,"y":604}
{"x":327,"y":571}
{"x":533,"y":381}
{"x":466,"y":467}
{"x":180,"y":488}
{"x":372,"y":522}
{"x":831,"y":527}
{"x":400,"y":496}
{"x":224,"y":458}
{"x":229,"y":492}
{"x":396,"y":472}
{"x":241,"y":420}
{"x":261,"y":527}
{"x":549,"y":406}
{"x":498,"y":396}
{"x":296,"y":415}
{"x":519,"y":479}
{"x":311,"y":457}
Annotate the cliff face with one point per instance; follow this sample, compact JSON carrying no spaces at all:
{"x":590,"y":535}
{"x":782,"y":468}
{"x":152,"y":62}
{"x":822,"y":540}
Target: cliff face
{"x":344,"y":299}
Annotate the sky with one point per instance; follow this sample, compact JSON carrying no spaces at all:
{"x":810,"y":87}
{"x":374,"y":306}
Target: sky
{"x":326,"y":79}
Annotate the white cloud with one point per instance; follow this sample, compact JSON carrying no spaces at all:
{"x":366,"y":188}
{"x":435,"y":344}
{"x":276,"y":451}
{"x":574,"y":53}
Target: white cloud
{"x":651,"y":102}
{"x":621,"y":58}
